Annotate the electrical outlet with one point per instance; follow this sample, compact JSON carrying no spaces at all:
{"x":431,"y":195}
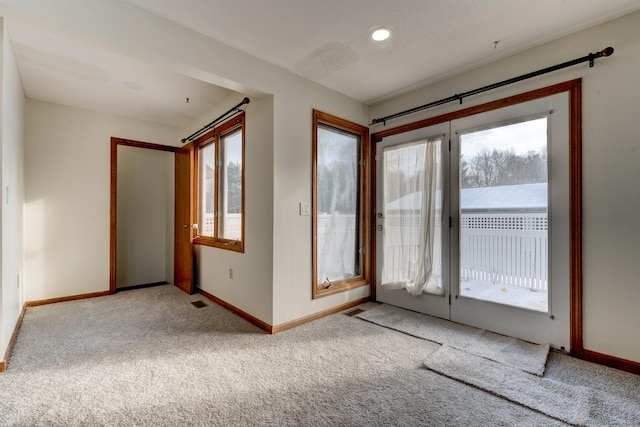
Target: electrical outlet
{"x":231,"y":273}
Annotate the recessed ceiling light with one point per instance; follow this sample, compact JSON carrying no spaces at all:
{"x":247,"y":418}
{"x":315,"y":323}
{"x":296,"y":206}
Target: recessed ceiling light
{"x":132,"y":85}
{"x":380,"y":34}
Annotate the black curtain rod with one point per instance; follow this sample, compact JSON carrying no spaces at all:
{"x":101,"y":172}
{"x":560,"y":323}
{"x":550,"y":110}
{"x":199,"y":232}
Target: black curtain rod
{"x":232,"y":112}
{"x":458,"y":97}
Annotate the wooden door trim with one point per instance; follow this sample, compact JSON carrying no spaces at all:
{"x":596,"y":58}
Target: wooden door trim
{"x":190,"y":217}
{"x":574,"y":90}
{"x":115,"y":142}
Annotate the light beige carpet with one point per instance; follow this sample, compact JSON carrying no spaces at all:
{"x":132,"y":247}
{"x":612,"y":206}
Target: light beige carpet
{"x":149,"y":358}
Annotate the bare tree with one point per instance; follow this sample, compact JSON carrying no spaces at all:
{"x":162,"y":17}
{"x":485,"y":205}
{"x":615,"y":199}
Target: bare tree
{"x":491,"y":168}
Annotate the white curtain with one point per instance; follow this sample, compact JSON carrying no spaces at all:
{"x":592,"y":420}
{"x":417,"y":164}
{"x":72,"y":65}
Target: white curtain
{"x":412,"y":253}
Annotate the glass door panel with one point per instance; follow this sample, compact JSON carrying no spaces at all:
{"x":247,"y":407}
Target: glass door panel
{"x":509,"y":206}
{"x":503,"y":214}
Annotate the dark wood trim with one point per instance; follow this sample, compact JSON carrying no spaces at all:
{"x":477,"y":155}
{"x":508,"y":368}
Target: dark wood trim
{"x":306,"y":319}
{"x":373,"y":172}
{"x":575,"y":213}
{"x":477,"y":109}
{"x":114,"y":197}
{"x":183,"y":256}
{"x":141,"y":144}
{"x":365,"y":206}
{"x":574,"y":89}
{"x":283,"y":326}
{"x":611,"y":361}
{"x":235,"y":310}
{"x":4,"y":363}
{"x":113,"y":213}
{"x":64,"y":299}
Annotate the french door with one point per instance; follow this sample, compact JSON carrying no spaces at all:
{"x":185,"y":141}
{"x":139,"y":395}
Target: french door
{"x":400,"y":226}
{"x":499,"y":257}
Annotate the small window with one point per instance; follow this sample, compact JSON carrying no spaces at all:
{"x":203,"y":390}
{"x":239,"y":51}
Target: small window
{"x":339,"y":206}
{"x":220,"y":186}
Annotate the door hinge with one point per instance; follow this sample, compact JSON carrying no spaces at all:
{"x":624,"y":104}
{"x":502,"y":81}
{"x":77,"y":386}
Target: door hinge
{"x":361,"y":162}
{"x":362,"y":251}
{"x":449,"y":145}
{"x":450,"y":222}
{"x":449,"y":299}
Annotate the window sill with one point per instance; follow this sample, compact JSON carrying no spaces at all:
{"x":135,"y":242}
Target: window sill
{"x":229,"y":245}
{"x":320,"y":291}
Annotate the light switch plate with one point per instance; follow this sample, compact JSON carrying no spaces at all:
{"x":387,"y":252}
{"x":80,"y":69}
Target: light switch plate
{"x":305,"y":209}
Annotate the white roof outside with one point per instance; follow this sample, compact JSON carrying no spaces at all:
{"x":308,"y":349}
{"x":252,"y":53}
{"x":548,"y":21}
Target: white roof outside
{"x":500,"y":198}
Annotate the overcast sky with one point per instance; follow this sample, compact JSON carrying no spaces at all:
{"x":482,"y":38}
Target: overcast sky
{"x":520,"y":137}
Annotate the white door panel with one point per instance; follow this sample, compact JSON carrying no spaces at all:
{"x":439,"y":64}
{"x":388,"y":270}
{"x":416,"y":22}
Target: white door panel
{"x":435,"y":305}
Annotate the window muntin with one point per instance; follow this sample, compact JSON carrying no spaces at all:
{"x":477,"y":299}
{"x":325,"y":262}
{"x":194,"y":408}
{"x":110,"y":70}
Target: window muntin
{"x":220,"y":184}
{"x":339,"y":221}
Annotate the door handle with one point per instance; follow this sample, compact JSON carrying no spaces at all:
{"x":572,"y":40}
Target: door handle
{"x":194,"y":226}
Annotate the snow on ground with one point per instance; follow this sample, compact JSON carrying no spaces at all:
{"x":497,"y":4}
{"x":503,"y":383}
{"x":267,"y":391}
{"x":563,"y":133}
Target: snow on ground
{"x":505,"y":294}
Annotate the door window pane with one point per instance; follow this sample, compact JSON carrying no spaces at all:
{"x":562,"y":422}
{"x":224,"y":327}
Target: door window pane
{"x":503,"y":215}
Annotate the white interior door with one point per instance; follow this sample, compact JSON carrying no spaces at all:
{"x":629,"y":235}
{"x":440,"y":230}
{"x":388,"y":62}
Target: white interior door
{"x":510,"y":214}
{"x":403,"y":166}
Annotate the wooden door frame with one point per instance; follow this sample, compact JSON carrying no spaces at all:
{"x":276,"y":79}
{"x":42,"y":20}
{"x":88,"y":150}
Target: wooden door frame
{"x":574,"y":90}
{"x":115,"y":142}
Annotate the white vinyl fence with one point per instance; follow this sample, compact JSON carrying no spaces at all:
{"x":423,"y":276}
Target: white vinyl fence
{"x":509,"y":249}
{"x":232,"y":226}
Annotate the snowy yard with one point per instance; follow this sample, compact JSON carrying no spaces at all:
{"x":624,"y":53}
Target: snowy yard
{"x":505,"y":294}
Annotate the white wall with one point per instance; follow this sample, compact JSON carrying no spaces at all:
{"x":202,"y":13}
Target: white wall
{"x":611,"y":155}
{"x":12,"y":184}
{"x":67,"y":175}
{"x":144,"y":221}
{"x":292,"y":275}
{"x":283,"y":158}
{"x":251,"y":286}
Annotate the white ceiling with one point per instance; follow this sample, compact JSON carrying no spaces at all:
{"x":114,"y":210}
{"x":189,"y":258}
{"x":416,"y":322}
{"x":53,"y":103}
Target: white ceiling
{"x":70,"y":72}
{"x":324,"y":40}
